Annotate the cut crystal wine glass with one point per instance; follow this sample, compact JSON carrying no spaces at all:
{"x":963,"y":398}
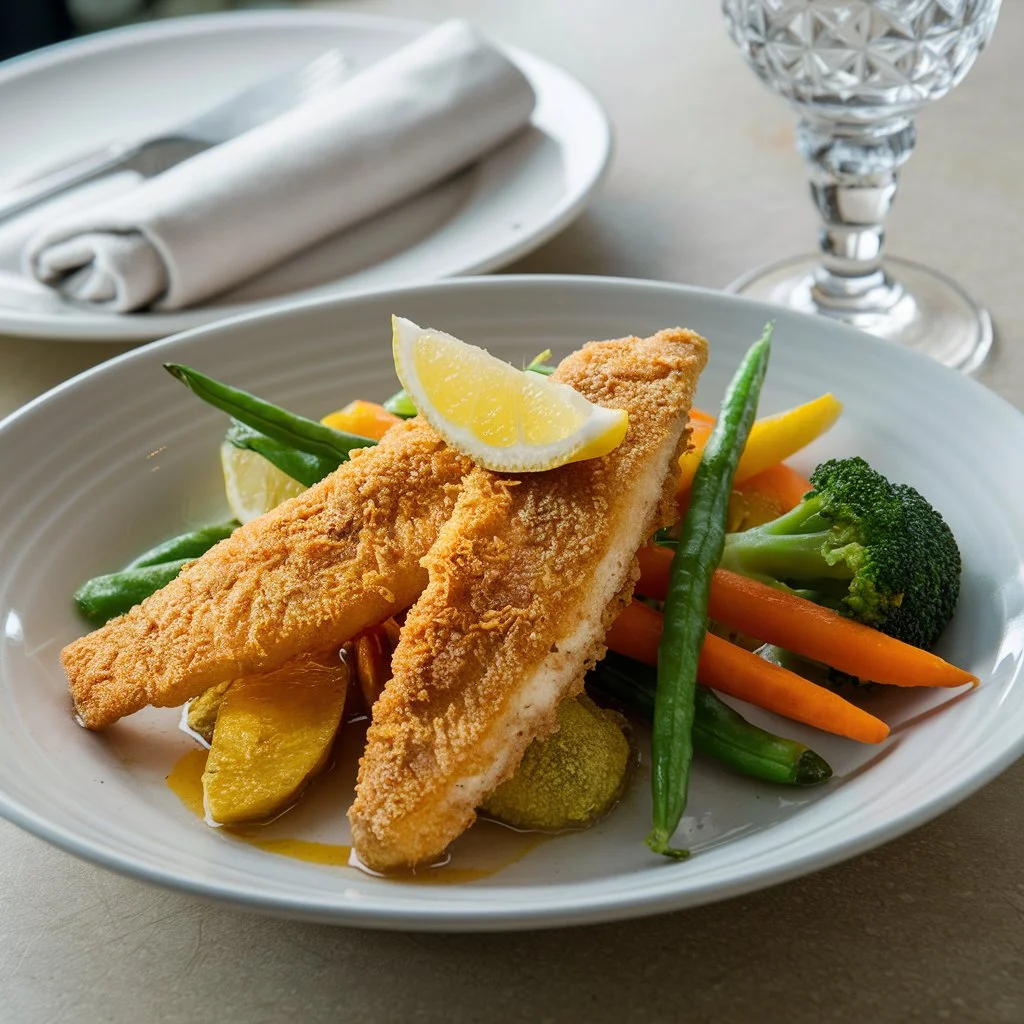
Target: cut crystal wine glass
{"x":857,"y":71}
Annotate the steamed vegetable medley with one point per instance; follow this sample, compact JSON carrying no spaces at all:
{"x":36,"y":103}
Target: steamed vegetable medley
{"x":771,"y":589}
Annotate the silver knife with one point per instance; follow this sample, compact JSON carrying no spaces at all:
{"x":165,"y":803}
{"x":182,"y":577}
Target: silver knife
{"x":151,"y":156}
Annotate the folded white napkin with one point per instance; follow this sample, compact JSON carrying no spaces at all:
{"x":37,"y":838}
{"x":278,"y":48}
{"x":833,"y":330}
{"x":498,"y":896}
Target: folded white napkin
{"x":391,"y":131}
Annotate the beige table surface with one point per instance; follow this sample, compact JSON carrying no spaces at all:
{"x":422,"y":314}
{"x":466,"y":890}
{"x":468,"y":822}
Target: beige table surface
{"x":930,"y":927}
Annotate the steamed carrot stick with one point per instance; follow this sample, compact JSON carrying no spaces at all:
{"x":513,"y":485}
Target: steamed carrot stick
{"x":760,"y":499}
{"x":701,"y":426}
{"x":805,"y":628}
{"x":655,"y":563}
{"x":738,"y":673}
{"x":636,"y":633}
{"x":781,"y":484}
{"x":368,"y":419}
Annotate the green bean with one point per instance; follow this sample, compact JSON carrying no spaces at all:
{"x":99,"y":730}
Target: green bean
{"x":283,"y":426}
{"x":304,"y":449}
{"x":701,"y":540}
{"x":666,"y":538}
{"x":104,"y":597}
{"x":402,"y":405}
{"x":301,"y":466}
{"x":718,"y":730}
{"x":186,"y":545}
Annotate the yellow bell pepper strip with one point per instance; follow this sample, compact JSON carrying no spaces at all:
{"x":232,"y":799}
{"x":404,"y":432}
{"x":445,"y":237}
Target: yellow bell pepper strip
{"x":772,"y":438}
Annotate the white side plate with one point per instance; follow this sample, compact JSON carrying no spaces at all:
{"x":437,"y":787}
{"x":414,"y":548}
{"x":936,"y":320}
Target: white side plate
{"x":140,"y":79}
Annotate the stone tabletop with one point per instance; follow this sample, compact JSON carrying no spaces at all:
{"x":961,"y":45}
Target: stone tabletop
{"x":705,"y":185}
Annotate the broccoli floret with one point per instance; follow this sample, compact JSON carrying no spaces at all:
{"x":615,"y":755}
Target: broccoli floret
{"x":873,"y":550}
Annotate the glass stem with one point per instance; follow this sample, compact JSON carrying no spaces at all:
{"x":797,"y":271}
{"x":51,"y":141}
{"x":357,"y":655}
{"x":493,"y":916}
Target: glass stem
{"x":853,"y":176}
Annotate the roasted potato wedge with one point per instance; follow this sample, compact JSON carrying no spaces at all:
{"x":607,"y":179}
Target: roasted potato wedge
{"x":202,"y":711}
{"x":273,"y":734}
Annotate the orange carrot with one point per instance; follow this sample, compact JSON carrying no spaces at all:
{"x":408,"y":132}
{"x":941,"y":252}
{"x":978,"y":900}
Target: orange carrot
{"x":367,"y":419}
{"x":807,"y":629}
{"x":734,"y":671}
{"x":636,"y":633}
{"x":760,"y":498}
{"x":765,"y":497}
{"x":655,"y":563}
{"x":738,"y":673}
{"x":701,"y":426}
{"x":782,"y":485}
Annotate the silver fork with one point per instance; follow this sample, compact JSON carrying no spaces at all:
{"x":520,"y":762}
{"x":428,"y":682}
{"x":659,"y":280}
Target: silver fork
{"x":151,"y":156}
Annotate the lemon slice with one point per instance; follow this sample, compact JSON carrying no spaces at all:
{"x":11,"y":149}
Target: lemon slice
{"x":502,"y":418}
{"x":252,"y":484}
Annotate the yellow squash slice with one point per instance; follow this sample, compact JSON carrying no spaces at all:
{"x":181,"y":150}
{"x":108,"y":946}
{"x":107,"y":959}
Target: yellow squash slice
{"x":273,"y":734}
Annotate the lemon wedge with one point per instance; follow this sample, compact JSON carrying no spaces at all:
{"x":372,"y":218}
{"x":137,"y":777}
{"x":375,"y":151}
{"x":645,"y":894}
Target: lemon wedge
{"x":502,"y":418}
{"x":253,"y":485}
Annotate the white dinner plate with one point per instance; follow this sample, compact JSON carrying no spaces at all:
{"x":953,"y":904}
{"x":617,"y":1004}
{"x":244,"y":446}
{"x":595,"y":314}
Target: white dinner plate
{"x":72,"y":98}
{"x":123,"y":456}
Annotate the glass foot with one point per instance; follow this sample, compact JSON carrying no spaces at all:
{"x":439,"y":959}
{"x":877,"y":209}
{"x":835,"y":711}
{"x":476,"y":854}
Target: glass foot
{"x":923,"y":309}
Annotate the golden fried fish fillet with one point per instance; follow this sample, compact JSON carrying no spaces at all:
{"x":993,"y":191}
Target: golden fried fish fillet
{"x":524,"y":581}
{"x":305,"y":577}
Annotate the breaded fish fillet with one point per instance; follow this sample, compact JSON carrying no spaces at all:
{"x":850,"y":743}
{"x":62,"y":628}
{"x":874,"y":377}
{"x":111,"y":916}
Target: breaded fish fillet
{"x":524,"y":581}
{"x":305,"y":577}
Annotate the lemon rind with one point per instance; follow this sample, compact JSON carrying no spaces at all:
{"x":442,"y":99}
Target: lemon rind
{"x":518,"y":457}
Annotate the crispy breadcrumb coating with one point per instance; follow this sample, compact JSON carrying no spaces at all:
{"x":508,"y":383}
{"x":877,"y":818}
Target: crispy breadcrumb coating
{"x":305,"y":577}
{"x":524,"y":581}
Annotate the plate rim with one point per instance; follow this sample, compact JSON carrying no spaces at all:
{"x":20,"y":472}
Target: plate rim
{"x":556,"y":911}
{"x":145,"y":327}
